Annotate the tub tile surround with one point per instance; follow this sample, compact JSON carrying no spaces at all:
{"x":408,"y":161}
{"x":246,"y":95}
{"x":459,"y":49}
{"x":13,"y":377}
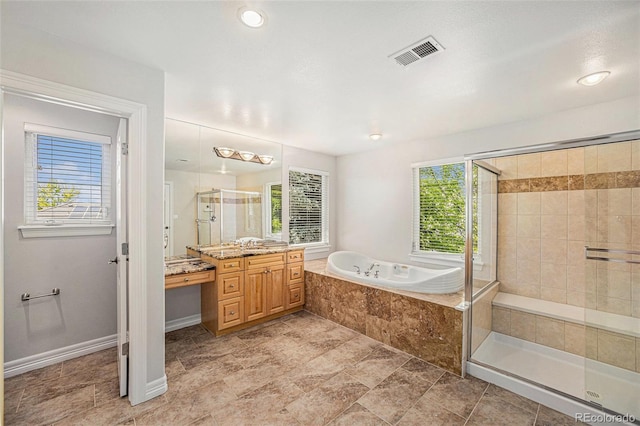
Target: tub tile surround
{"x":424,"y":325}
{"x":551,"y":205}
{"x":338,"y":384}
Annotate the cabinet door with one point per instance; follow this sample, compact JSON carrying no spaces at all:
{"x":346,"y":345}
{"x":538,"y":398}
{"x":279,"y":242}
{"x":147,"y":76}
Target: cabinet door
{"x":255,"y":282}
{"x":276,"y":289}
{"x":230,"y":285}
{"x":295,"y":273}
{"x":295,"y":296}
{"x":230,"y":313}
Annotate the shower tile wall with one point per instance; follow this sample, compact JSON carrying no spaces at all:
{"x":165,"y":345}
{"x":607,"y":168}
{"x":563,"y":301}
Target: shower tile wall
{"x":552,"y":204}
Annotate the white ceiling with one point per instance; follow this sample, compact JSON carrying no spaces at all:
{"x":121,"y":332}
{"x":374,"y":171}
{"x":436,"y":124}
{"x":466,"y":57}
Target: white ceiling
{"x":318,"y":77}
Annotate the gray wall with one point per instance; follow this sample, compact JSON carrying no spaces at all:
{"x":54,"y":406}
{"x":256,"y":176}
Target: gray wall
{"x":86,"y":307}
{"x":32,"y":52}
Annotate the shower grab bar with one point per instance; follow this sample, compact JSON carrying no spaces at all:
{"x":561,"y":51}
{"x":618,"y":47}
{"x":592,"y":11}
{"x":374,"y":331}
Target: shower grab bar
{"x":610,"y":259}
{"x":26,"y":296}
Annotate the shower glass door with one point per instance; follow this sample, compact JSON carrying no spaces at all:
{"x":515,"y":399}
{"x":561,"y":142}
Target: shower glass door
{"x":482,"y":216}
{"x":611,"y":284}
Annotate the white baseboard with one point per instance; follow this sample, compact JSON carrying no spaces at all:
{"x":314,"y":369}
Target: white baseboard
{"x":156,"y":388}
{"x":179,"y":323}
{"x":33,"y":362}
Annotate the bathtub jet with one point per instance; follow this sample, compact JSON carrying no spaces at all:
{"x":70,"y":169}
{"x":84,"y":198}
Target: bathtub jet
{"x":361,"y":268}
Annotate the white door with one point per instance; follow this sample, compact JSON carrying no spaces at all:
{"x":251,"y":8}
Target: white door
{"x":122,"y":256}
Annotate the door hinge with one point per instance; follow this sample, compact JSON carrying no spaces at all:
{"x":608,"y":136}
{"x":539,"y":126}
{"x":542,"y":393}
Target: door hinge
{"x":125,"y":249}
{"x":125,"y":148}
{"x":125,"y":349}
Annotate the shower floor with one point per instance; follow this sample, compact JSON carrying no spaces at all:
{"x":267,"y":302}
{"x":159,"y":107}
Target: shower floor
{"x":614,"y":388}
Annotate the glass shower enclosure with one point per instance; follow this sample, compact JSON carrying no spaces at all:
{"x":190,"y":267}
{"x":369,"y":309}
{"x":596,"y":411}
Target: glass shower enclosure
{"x":225,"y":215}
{"x":562,"y":316}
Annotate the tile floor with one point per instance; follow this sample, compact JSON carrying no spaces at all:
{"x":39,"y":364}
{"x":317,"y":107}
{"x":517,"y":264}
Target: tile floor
{"x":298,"y":370}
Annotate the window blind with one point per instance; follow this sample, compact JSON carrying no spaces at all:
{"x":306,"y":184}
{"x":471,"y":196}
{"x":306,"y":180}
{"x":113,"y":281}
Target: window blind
{"x":66,"y":180}
{"x":439,"y":215}
{"x":308,"y":207}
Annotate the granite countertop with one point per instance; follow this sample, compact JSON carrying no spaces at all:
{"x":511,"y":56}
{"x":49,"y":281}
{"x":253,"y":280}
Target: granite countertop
{"x":184,"y":264}
{"x":221,"y":252}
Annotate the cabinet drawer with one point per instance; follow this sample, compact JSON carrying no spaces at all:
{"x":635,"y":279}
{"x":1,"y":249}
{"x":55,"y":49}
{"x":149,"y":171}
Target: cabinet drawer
{"x":265,"y":260}
{"x":295,"y":297}
{"x":230,"y":312}
{"x":181,"y":280}
{"x":230,"y":285}
{"x":295,"y":256}
{"x":296,"y":273}
{"x":230,"y":265}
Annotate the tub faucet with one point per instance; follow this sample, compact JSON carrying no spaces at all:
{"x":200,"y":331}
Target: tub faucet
{"x":357,"y":269}
{"x":373,"y":265}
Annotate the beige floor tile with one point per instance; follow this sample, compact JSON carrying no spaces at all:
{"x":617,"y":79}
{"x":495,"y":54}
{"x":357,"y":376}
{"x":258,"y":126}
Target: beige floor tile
{"x":328,"y":400}
{"x":427,"y":412}
{"x":357,"y":415}
{"x":456,"y":394}
{"x":377,"y":366}
{"x":391,"y":399}
{"x":550,"y":417}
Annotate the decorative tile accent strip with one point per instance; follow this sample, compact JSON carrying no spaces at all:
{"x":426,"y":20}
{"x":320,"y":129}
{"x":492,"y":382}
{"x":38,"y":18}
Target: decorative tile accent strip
{"x":626,"y":179}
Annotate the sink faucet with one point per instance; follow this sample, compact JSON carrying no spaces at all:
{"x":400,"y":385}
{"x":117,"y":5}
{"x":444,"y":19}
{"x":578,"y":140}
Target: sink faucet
{"x":373,"y":265}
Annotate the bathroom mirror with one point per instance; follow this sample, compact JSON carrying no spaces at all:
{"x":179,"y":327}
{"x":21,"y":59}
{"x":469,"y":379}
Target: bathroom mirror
{"x":210,"y":199}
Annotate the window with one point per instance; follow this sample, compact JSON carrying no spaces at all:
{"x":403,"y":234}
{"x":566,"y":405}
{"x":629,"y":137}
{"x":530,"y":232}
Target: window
{"x":67,"y":177}
{"x":439,"y":213}
{"x":273,"y":209}
{"x":308,"y":207}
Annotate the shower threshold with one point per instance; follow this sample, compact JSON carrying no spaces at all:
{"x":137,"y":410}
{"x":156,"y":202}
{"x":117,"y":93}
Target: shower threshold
{"x":612,"y":387}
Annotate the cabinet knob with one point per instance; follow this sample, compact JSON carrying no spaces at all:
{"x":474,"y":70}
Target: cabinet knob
{"x":186,"y":279}
{"x":231,"y":286}
{"x":232,"y":312}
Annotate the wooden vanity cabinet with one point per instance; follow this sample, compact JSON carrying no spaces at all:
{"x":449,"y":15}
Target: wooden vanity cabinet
{"x":249,"y":290}
{"x":295,"y":279}
{"x":265,"y":284}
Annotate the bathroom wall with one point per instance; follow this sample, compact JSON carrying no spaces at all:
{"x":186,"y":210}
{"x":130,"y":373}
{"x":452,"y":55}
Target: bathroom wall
{"x":296,"y":157}
{"x":374,"y":204}
{"x":31,"y":52}
{"x":86,"y":308}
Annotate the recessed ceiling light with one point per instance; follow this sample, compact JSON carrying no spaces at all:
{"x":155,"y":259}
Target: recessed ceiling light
{"x":593,"y":79}
{"x":252,"y":18}
{"x":375,"y":136}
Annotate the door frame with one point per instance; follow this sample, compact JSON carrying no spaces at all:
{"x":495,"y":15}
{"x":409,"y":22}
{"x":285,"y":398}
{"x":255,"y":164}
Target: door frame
{"x":136,"y":114}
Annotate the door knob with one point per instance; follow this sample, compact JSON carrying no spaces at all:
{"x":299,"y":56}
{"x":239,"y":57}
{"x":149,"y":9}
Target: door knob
{"x":114,"y":260}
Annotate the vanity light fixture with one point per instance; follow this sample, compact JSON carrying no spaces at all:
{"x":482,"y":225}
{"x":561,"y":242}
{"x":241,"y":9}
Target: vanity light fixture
{"x":225,"y":152}
{"x":375,"y":136}
{"x":593,"y":79}
{"x":246,"y":155}
{"x":243,"y":155}
{"x":252,"y":18}
{"x":265,"y":159}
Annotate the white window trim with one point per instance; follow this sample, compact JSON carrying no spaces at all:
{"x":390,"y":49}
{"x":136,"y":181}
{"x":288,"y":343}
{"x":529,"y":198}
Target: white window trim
{"x":267,"y":211}
{"x":65,"y":229}
{"x":324,"y":245}
{"x":434,"y":257}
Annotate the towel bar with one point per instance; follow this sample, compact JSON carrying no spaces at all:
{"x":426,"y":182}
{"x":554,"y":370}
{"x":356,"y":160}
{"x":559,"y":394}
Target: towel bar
{"x":26,"y":296}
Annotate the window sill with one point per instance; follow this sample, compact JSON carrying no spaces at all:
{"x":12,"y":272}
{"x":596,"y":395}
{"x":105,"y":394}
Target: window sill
{"x":45,"y":231}
{"x":451,"y":261}
{"x":313,"y":248}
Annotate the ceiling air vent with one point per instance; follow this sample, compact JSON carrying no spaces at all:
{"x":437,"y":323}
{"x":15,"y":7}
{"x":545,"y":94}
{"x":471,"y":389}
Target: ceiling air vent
{"x":415,"y":52}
